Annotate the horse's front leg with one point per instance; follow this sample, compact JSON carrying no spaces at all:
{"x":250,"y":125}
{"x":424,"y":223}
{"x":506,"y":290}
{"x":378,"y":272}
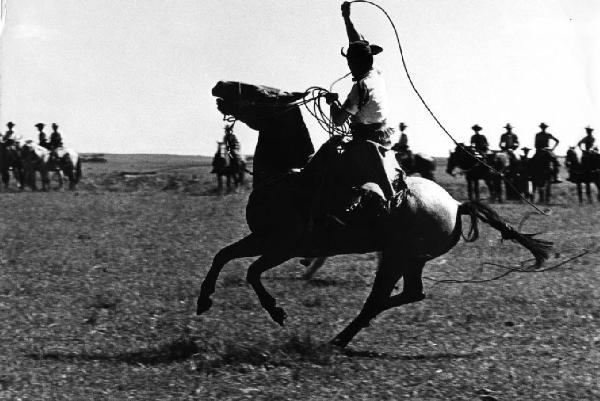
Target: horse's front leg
{"x":246,"y":247}
{"x":391,"y":268}
{"x":499,"y":189}
{"x":219,"y":183}
{"x":470,"y":188}
{"x":267,"y":301}
{"x":60,"y":178}
{"x":588,"y":191}
{"x":45,"y":177}
{"x":5,"y":177}
{"x":313,"y":265}
{"x":579,"y":193}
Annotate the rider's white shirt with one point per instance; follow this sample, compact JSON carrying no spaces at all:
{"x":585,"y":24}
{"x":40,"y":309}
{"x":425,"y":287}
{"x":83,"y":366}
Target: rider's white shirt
{"x":375,"y":107}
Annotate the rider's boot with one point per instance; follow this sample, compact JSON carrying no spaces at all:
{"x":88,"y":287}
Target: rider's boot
{"x":367,"y":208}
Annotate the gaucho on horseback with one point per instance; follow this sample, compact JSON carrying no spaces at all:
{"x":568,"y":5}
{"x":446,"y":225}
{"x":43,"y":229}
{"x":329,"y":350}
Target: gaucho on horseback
{"x":426,"y":223}
{"x":479,"y":141}
{"x":42,"y":138}
{"x":509,"y":142}
{"x":542,"y":145}
{"x":366,"y":161}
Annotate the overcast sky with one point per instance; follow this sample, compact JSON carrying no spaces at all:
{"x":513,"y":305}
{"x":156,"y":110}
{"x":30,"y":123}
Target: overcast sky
{"x":134,"y":76}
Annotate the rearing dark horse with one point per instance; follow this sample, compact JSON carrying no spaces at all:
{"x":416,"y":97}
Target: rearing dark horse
{"x":425,"y":225}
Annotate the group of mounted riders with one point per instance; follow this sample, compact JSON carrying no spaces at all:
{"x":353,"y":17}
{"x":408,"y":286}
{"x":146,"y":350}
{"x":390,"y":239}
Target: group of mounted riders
{"x":541,"y":170}
{"x":26,"y":158}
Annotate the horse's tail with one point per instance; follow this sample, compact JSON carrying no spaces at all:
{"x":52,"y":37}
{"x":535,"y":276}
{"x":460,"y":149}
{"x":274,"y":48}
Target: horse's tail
{"x":478,"y":211}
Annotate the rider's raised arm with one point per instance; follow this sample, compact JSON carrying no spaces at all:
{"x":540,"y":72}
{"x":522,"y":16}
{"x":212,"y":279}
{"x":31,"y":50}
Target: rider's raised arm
{"x":353,"y":34}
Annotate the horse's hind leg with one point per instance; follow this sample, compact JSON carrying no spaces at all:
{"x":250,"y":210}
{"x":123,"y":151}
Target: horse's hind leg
{"x":378,"y":300}
{"x":246,"y":247}
{"x":412,"y":290}
{"x":579,"y":193}
{"x":267,"y":301}
{"x":313,"y":265}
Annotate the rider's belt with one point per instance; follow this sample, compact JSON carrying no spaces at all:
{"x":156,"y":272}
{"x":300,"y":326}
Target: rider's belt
{"x":377,"y":132}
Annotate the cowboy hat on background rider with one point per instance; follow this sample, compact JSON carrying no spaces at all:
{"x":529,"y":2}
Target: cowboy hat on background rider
{"x":366,"y":106}
{"x":542,"y":144}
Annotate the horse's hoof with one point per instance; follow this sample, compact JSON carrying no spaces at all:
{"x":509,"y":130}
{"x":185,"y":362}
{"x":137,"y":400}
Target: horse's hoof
{"x":203,"y":305}
{"x":338,"y":342}
{"x":278,"y":315}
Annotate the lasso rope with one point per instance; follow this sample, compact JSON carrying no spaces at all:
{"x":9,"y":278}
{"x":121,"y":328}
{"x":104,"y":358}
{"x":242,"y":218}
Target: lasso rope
{"x":459,"y":145}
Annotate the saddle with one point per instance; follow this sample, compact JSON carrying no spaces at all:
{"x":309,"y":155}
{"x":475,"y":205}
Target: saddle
{"x":367,"y":183}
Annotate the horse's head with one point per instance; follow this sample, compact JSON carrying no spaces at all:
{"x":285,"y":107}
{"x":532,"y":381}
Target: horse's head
{"x":254,"y":105}
{"x":571,"y":155}
{"x":463,"y":157}
{"x":283,"y":142}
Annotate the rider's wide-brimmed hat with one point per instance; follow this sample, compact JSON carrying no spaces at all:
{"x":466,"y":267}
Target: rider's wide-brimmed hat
{"x":589,"y":129}
{"x":40,"y":125}
{"x":508,"y":126}
{"x":543,"y":125}
{"x":54,"y":125}
{"x":10,"y":124}
{"x":360,"y":48}
{"x":403,"y":126}
{"x":476,"y":128}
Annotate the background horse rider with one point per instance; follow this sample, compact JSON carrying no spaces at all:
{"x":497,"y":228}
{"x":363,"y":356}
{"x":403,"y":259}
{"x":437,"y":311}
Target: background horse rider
{"x":586,"y":145}
{"x":55,"y":138}
{"x":404,"y":154}
{"x":588,"y":140}
{"x":365,"y":158}
{"x":9,"y":137}
{"x":542,"y":144}
{"x":479,"y":141}
{"x":233,"y":146}
{"x":509,"y":142}
{"x":42,"y":138}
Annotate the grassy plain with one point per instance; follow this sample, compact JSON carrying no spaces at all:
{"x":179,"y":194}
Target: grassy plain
{"x":98,"y":287}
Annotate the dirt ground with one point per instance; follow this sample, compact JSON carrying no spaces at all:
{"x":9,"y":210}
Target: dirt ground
{"x":98,"y":289}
